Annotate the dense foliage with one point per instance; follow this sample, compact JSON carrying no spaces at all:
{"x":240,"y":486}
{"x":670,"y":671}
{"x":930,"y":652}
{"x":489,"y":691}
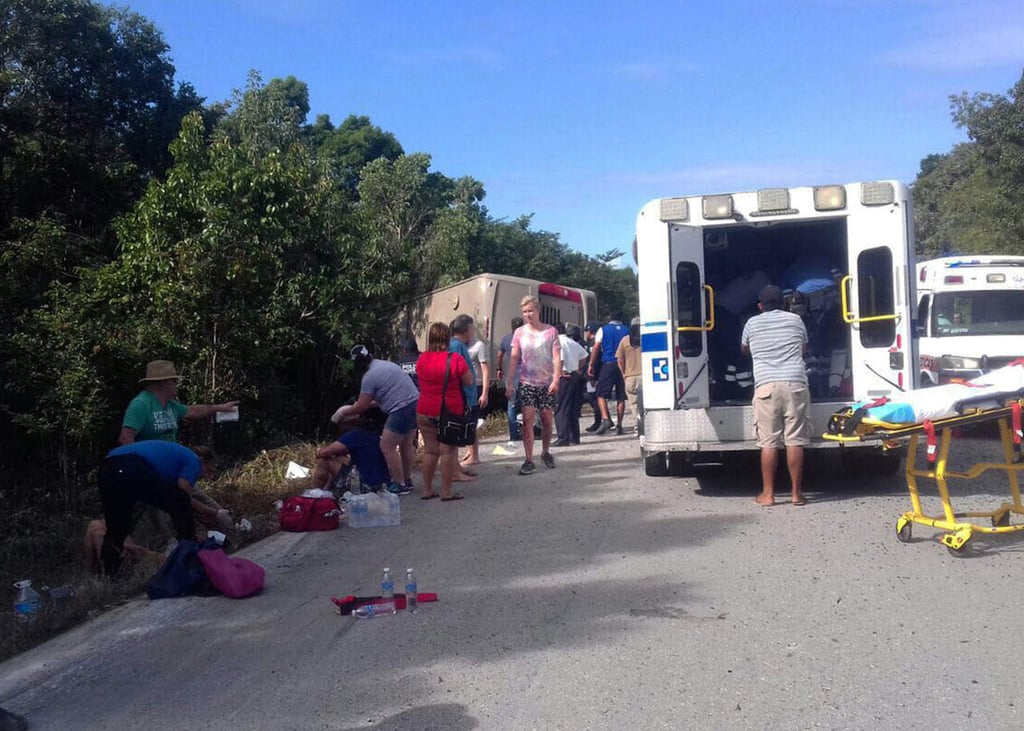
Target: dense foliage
{"x":240,"y":241}
{"x":968,"y":201}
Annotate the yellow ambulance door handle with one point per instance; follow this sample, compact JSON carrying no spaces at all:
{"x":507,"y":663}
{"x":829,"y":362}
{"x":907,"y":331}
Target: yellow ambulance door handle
{"x":709,"y":323}
{"x":848,"y":317}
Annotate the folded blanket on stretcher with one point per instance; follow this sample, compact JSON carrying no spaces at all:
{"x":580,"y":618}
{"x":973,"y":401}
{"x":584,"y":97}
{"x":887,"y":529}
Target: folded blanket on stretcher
{"x":940,"y":402}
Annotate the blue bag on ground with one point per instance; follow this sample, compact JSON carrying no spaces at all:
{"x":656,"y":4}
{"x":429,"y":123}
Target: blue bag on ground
{"x":181,"y":573}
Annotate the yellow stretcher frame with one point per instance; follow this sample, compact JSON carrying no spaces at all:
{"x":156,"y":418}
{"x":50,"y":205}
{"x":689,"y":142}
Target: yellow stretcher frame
{"x":959,"y":528}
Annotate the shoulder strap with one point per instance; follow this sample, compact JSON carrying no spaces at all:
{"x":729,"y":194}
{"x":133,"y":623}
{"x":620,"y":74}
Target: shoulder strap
{"x":444,"y":386}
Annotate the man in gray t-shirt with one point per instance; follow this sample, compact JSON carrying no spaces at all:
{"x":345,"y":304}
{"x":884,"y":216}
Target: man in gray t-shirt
{"x":776,"y":341}
{"x":385,"y":384}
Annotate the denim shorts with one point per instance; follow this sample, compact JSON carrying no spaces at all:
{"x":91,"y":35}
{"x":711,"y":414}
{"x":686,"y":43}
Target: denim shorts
{"x":402,"y":420}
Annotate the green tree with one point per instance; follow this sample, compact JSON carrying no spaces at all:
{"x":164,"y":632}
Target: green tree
{"x":969,"y":200}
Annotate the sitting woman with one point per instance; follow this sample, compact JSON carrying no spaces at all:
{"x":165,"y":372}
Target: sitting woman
{"x":430,"y":372}
{"x":358,"y":445}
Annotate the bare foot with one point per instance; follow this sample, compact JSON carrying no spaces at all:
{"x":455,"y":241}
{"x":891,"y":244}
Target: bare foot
{"x":765,"y":501}
{"x":466,"y":461}
{"x":799,"y":499}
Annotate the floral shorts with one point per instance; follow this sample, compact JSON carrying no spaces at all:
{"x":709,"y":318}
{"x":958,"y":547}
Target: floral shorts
{"x":537,"y":397}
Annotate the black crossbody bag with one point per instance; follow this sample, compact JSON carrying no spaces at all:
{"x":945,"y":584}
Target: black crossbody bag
{"x":458,"y":430}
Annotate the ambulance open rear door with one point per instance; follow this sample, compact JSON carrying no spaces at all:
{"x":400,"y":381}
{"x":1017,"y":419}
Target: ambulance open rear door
{"x":693,"y":308}
{"x":877,"y":292}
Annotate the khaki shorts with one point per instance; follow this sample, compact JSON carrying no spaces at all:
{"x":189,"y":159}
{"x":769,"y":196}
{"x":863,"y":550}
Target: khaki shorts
{"x":782,"y":414}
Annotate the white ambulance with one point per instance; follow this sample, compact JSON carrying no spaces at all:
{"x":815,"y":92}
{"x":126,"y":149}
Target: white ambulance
{"x":844,"y":256}
{"x":970,"y":315}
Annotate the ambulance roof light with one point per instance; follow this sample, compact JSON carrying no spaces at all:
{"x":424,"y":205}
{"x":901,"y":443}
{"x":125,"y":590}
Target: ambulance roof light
{"x":829,"y":198}
{"x":674,"y":209}
{"x":717,"y":206}
{"x":773,"y":199}
{"x":877,"y":194}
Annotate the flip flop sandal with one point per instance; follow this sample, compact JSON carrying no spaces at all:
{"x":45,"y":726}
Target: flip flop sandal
{"x":456,"y":496}
{"x":431,"y":496}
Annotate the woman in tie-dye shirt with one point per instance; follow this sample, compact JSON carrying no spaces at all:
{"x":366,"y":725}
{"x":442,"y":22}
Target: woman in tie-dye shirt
{"x":537,"y":353}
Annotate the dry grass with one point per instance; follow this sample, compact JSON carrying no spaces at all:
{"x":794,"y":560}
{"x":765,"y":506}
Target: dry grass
{"x":48,"y":549}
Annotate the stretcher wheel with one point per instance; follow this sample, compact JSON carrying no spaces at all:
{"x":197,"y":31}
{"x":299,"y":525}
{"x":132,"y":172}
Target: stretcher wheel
{"x":904,"y":532}
{"x":958,"y":552}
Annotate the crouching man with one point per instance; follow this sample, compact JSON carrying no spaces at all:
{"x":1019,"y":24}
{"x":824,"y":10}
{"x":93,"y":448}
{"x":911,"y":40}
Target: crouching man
{"x":156,"y":473}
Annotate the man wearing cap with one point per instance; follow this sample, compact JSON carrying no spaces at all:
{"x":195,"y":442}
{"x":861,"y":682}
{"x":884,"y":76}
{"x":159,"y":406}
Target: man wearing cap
{"x":567,"y":421}
{"x":386,"y":385}
{"x":155,"y":412}
{"x":776,"y":340}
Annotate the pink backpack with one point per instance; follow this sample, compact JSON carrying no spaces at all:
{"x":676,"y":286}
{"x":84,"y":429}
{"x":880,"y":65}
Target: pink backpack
{"x":233,"y":577}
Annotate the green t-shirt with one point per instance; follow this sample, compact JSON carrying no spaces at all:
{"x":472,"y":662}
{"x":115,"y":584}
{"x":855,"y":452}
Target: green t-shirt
{"x":152,"y":420}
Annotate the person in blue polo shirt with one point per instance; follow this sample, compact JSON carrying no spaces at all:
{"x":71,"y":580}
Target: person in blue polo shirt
{"x":158,"y":473}
{"x":610,"y":384}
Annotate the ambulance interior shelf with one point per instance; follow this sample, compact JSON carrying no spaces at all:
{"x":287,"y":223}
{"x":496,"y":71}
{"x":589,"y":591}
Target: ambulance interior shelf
{"x":807,"y":262}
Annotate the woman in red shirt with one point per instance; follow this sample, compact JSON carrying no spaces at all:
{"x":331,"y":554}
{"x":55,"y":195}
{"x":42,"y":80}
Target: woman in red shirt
{"x":430,"y":370}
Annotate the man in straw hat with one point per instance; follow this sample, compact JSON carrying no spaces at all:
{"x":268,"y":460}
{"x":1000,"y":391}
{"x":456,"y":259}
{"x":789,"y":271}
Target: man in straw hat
{"x":155,"y":412}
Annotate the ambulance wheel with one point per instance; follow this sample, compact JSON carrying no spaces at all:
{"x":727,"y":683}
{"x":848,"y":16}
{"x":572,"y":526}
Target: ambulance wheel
{"x":656,"y":464}
{"x":905,"y":532}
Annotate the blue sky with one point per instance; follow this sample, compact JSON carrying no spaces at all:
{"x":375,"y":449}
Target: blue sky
{"x":581,"y":112}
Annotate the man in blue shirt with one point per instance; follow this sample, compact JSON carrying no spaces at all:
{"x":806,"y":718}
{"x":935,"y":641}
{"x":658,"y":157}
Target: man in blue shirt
{"x":462,"y":335}
{"x":158,"y":473}
{"x":357,"y":446}
{"x":610,"y":384}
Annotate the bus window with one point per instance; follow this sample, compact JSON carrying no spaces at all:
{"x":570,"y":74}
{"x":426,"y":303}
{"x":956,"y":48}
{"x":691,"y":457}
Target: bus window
{"x":550,"y":315}
{"x":875,"y":297}
{"x":689,"y":298}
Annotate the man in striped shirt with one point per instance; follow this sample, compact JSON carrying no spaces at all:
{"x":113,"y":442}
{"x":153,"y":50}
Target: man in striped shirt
{"x":776,"y":340}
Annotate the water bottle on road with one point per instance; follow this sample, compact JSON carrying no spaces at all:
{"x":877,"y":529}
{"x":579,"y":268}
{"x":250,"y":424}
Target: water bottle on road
{"x":411,"y":600}
{"x":387,"y":591}
{"x":26,"y":603}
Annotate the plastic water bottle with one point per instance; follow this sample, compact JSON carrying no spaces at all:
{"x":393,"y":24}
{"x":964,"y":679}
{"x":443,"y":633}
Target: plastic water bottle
{"x":412,"y":603}
{"x":367,"y":611}
{"x":387,"y":592}
{"x":26,"y":603}
{"x":358,"y":515}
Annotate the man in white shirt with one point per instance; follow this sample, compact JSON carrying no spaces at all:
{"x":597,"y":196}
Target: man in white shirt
{"x":567,"y":420}
{"x":478,"y":352}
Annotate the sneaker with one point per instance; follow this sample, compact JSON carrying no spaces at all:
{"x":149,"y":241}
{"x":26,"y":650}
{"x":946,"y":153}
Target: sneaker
{"x":619,"y":430}
{"x":606,"y":426}
{"x":593,"y":427}
{"x":409,"y":486}
{"x":395,"y":489}
{"x":528,"y":468}
{"x":548,"y":461}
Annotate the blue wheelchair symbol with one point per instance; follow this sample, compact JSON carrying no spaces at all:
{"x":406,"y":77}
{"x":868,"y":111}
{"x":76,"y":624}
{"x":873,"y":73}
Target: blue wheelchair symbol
{"x":660,"y":366}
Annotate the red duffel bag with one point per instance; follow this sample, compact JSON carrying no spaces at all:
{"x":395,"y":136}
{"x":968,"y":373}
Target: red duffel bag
{"x":300,"y":514}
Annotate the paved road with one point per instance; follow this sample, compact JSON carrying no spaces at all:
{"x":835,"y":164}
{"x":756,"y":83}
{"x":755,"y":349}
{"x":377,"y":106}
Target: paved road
{"x":588,"y":596}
